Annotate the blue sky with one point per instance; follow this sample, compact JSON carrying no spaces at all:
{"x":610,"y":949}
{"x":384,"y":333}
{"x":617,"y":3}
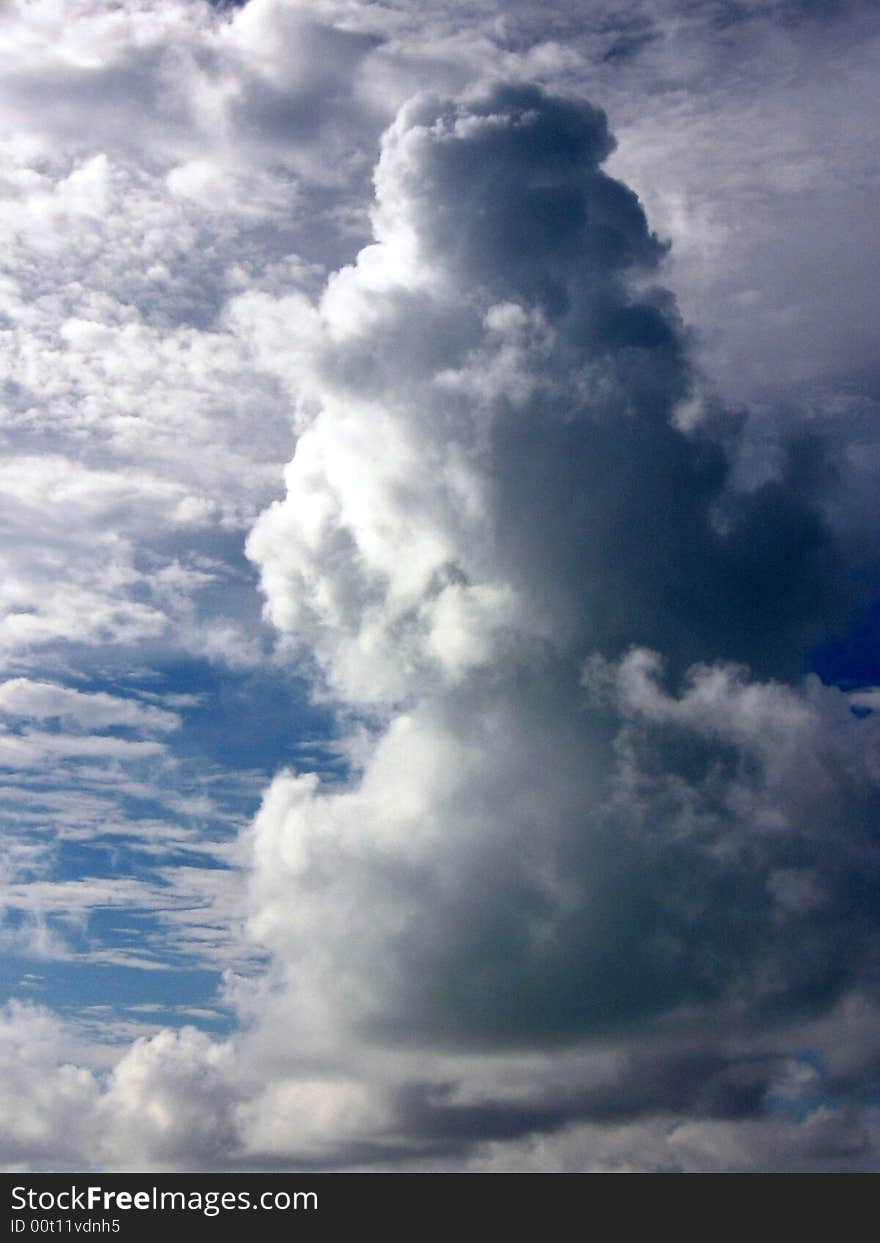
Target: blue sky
{"x":439,"y":599}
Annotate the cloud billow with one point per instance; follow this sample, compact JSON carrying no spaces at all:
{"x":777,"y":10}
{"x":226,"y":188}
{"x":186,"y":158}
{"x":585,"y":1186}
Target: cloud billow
{"x":600,"y":798}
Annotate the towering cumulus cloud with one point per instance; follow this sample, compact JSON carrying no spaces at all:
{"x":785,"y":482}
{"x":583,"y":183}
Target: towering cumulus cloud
{"x":603,"y":857}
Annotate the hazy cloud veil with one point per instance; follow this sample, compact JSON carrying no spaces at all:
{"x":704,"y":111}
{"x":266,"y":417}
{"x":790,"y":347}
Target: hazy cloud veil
{"x":596,"y":882}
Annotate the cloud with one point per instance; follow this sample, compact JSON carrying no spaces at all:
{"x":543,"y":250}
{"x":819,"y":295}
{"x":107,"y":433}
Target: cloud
{"x":487,"y":388}
{"x":47,"y":1100}
{"x":492,"y":492}
{"x":166,"y":1101}
{"x":135,"y":426}
{"x":169,"y":1103}
{"x":34,"y":747}
{"x":25,"y":698}
{"x":596,"y":885}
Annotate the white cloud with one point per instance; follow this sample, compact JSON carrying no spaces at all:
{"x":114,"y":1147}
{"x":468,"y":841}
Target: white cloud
{"x":27,"y":698}
{"x":47,"y":1101}
{"x":33,"y":748}
{"x":169,"y":1103}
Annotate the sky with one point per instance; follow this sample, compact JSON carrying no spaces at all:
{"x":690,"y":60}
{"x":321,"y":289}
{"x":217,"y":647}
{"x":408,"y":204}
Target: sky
{"x":440,"y":634}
